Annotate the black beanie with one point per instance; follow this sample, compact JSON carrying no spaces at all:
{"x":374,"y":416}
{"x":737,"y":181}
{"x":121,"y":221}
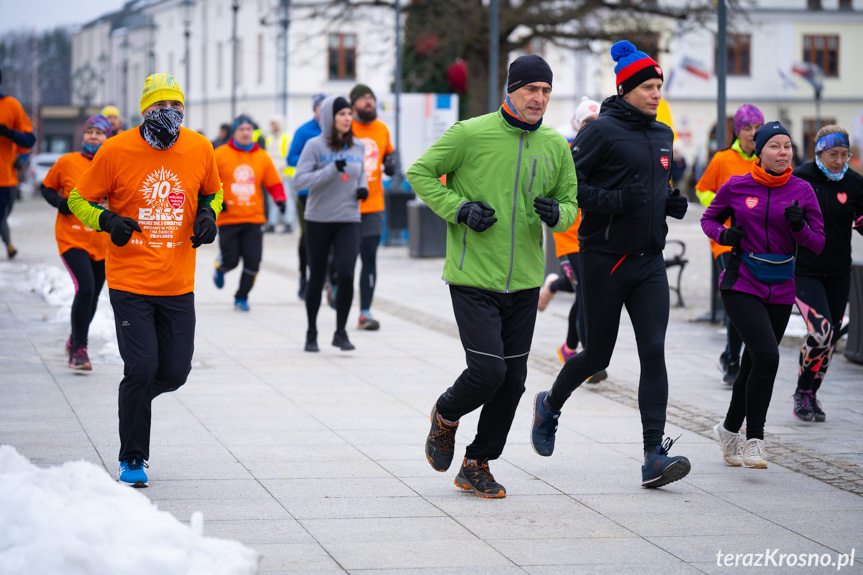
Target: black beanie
{"x":765,"y":132}
{"x":340,"y":104}
{"x":359,"y":91}
{"x":525,"y":70}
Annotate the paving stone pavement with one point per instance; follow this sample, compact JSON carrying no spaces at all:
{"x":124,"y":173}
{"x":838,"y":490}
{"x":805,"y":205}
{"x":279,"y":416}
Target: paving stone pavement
{"x":315,"y":460}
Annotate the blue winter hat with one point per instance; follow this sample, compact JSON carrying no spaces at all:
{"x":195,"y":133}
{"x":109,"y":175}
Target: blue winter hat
{"x":766,"y":132}
{"x":633,"y":67}
{"x":317,"y":99}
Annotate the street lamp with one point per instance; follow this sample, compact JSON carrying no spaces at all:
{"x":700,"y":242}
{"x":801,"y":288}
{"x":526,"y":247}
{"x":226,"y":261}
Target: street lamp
{"x":188,"y":6}
{"x":235,"y":7}
{"x":125,"y":48}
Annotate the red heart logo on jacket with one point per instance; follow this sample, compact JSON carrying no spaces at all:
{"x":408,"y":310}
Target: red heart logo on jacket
{"x":664,"y":161}
{"x":751,"y":202}
{"x":842,"y":197}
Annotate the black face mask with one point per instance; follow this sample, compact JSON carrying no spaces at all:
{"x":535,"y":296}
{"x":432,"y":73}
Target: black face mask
{"x":161,"y":127}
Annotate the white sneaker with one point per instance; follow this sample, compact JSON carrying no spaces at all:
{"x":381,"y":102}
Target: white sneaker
{"x":730,"y":444}
{"x":753,"y":454}
{"x":545,"y":293}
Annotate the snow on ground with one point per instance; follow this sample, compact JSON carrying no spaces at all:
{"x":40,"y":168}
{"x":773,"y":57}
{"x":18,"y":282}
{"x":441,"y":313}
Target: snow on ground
{"x":76,"y":520}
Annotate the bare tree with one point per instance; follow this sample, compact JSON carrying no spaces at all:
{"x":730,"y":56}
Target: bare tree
{"x":51,"y":68}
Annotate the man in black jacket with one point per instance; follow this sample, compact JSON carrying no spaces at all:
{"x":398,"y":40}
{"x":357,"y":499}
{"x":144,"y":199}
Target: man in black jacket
{"x":622,"y":160}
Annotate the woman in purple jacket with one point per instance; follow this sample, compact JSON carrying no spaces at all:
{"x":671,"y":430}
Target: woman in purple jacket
{"x":771,"y":213}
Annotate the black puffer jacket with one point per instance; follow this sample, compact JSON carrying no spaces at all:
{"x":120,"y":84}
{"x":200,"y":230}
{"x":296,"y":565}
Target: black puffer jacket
{"x":841,"y":203}
{"x":622,"y":146}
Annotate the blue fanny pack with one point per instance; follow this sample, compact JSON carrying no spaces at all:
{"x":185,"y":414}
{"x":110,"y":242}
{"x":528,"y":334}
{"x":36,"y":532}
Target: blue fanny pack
{"x":770,"y":269}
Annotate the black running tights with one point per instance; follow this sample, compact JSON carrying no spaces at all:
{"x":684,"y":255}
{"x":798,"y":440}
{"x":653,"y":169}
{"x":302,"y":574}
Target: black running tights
{"x":89,"y":277}
{"x":344,"y":237}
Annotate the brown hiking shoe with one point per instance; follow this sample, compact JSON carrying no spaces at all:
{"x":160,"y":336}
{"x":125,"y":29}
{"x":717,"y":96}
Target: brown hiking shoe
{"x":440,"y":444}
{"x":476,"y":476}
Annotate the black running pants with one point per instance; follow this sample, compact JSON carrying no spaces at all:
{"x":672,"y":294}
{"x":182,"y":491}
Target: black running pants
{"x":242,"y":241}
{"x":344,"y":238}
{"x":822,"y":304}
{"x":88,"y":277}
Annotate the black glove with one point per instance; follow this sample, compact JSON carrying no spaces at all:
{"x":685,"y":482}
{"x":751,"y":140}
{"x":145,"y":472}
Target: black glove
{"x":119,"y":227}
{"x":340,"y":164}
{"x":204,"y":229}
{"x":63,"y":207}
{"x":732,"y":236}
{"x":6,"y":131}
{"x":362,"y":193}
{"x":548,"y":210}
{"x":676,"y":205}
{"x":19,"y":162}
{"x":633,"y":196}
{"x":282,"y":206}
{"x":476,"y":215}
{"x":794,"y":216}
{"x":389,"y":164}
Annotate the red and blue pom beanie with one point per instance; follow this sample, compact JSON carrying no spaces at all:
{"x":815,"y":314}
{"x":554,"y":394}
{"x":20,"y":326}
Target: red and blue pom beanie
{"x":633,"y":67}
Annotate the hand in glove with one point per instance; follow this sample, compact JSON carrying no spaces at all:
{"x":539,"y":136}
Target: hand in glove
{"x":548,"y":210}
{"x":5,"y":131}
{"x":794,"y":216}
{"x":204,"y":229}
{"x":362,"y":193}
{"x":282,"y":206}
{"x":633,"y":196}
{"x":389,"y":164}
{"x":119,"y":227}
{"x":63,"y":207}
{"x":476,"y":215}
{"x":340,"y":164}
{"x":732,"y":236}
{"x":676,"y":205}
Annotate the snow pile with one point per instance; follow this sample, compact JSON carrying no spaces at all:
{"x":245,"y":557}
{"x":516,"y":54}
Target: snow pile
{"x":76,"y":520}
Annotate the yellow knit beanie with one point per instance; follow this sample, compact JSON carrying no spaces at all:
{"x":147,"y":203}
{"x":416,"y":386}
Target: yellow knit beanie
{"x":160,"y":87}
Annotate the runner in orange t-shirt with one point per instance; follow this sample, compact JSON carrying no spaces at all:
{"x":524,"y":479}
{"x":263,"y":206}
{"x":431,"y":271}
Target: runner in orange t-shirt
{"x":379,"y":152}
{"x":156,"y":177}
{"x":737,"y":160}
{"x":16,"y":139}
{"x":243,"y":168}
{"x":81,"y":248}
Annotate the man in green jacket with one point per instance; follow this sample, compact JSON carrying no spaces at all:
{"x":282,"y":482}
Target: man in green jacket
{"x":506,"y":164}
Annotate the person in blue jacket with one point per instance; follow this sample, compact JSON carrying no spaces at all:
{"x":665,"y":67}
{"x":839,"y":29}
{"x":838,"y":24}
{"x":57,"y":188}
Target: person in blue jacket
{"x":303,"y":134}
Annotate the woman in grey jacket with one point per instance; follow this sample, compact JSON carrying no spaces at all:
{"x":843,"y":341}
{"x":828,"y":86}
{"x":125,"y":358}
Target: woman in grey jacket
{"x":331,"y":167}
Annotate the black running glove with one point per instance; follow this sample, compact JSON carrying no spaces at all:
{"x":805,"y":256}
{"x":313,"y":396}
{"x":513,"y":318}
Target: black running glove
{"x":676,"y":205}
{"x":362,"y":193}
{"x":732,"y":236}
{"x":794,"y":216}
{"x":282,"y":206}
{"x":340,"y":164}
{"x":204,"y":229}
{"x":633,"y":196}
{"x":389,"y":164}
{"x":548,"y":210}
{"x":63,"y":207}
{"x":120,"y":228}
{"x":476,"y":216}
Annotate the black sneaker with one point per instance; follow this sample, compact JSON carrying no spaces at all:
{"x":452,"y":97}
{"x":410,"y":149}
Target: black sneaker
{"x":803,"y":405}
{"x":722,"y":364}
{"x":816,"y":409}
{"x":476,"y":476}
{"x":544,"y":426}
{"x":600,"y":375}
{"x":659,"y":469}
{"x":440,"y":443}
{"x":312,"y":340}
{"x":341,"y":341}
{"x":731,"y":370}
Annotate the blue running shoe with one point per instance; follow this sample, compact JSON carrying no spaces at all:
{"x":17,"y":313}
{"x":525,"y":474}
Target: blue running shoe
{"x":132,"y":471}
{"x":241,"y":305}
{"x":544,"y":426}
{"x":659,"y":469}
{"x":219,"y":277}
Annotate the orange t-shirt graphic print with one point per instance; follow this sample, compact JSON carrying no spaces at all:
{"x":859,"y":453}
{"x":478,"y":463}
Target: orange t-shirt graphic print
{"x":158,"y":189}
{"x":69,"y":230}
{"x":242,"y":174}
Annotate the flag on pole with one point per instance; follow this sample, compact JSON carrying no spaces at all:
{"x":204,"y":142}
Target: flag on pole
{"x":695,"y":67}
{"x":809,"y":72}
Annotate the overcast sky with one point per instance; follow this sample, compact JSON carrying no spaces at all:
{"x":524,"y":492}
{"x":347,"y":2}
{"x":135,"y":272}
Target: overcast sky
{"x":46,"y":14}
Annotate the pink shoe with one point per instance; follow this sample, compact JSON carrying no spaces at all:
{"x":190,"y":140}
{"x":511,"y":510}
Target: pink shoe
{"x":545,"y":293}
{"x":564,"y":353}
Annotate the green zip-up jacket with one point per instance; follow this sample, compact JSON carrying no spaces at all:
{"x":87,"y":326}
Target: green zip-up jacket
{"x":486,"y":159}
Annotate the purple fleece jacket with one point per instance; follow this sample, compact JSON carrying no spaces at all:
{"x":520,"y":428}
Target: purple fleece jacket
{"x":761,"y":211}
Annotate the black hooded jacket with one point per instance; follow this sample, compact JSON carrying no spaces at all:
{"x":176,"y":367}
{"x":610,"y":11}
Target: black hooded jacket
{"x":841,"y":203}
{"x":622,"y":146}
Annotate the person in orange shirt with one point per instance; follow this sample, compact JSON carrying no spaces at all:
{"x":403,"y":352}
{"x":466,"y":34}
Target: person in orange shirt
{"x":244,"y":167}
{"x":379,"y":153}
{"x":81,"y":248}
{"x":737,"y":160}
{"x":16,"y":139}
{"x":164,"y":194}
{"x":566,"y":249}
